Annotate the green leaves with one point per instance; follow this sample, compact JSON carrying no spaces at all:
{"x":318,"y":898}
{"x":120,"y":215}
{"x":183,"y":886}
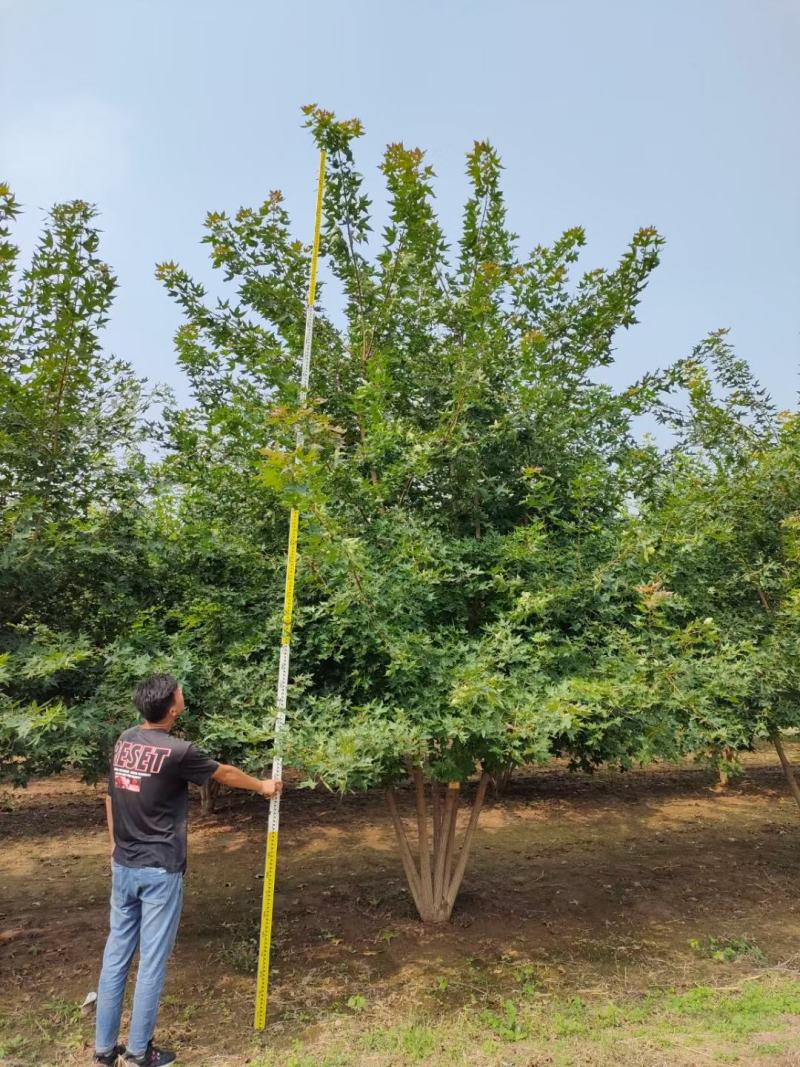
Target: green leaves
{"x":71,"y":419}
{"x":72,"y":473}
{"x":493,"y":567}
{"x":721,"y":522}
{"x":465,"y":595}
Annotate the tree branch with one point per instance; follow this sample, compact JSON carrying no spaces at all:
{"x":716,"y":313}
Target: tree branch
{"x":426,"y":883}
{"x":461,"y":866}
{"x":412,"y":875}
{"x":441,"y":877}
{"x":788,"y":770}
{"x":436,"y":807}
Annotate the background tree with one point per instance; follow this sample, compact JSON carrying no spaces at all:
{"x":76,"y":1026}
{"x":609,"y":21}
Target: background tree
{"x":72,"y":477}
{"x":722,"y":530}
{"x":116,"y":562}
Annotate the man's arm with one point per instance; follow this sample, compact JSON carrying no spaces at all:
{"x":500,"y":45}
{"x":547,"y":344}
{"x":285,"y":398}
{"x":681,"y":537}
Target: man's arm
{"x":236,"y":779}
{"x":110,"y":821}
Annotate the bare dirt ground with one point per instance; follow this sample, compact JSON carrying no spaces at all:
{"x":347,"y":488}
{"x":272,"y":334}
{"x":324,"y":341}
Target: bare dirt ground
{"x":583,"y":896}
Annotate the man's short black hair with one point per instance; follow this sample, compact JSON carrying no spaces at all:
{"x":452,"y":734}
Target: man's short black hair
{"x":154,"y":696}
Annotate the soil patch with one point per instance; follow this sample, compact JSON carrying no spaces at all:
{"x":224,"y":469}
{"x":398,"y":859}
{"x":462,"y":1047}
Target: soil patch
{"x":580,"y":886}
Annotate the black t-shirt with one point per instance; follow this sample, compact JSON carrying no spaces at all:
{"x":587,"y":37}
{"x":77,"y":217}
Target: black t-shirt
{"x":148,"y":786}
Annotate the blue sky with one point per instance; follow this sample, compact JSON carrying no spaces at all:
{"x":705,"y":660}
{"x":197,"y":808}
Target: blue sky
{"x":611,"y":114}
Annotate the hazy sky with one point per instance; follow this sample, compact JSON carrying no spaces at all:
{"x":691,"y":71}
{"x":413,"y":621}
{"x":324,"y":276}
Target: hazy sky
{"x":612,"y":114}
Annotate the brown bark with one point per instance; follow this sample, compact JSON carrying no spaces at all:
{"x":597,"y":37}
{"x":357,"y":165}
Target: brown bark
{"x":466,"y":847}
{"x":208,"y":796}
{"x":412,"y":875}
{"x":788,"y":770}
{"x":727,"y":755}
{"x":436,"y":814}
{"x":433,"y":880}
{"x":441,"y":873}
{"x":426,"y":882}
{"x":502,"y":779}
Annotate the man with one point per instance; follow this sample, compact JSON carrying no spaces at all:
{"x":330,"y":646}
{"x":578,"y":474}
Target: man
{"x":147,"y":807}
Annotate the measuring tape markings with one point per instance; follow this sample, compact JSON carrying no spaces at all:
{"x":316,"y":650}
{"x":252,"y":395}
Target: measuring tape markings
{"x":271,"y":858}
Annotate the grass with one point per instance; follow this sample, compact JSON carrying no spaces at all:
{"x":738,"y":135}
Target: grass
{"x":756,"y":1020}
{"x":57,"y":1024}
{"x":240,"y":954}
{"x":699,"y":1025}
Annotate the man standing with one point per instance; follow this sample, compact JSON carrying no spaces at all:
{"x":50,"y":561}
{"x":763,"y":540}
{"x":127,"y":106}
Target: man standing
{"x":146,"y":807}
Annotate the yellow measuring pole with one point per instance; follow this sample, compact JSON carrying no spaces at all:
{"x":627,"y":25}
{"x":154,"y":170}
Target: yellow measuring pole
{"x":271,"y":861}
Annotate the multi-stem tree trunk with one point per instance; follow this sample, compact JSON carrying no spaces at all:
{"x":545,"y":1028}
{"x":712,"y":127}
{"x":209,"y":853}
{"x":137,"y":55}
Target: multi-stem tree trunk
{"x":788,"y":770}
{"x":208,"y":796}
{"x":435,"y":875}
{"x":502,"y":780}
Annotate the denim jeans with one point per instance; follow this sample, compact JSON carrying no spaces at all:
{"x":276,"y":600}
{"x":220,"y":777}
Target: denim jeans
{"x":145,"y":911}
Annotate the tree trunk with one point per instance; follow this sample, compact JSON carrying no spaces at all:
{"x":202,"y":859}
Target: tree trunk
{"x":502,"y":780}
{"x":435,"y":876}
{"x":727,"y":755}
{"x":787,"y":767}
{"x":208,"y":796}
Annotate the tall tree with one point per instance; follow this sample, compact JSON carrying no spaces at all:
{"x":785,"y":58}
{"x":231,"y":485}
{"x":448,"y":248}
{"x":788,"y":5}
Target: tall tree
{"x":463,"y":484}
{"x":72,"y":471}
{"x":722,"y":528}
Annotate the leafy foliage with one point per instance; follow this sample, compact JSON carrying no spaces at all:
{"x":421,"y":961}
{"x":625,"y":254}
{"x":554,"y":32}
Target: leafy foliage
{"x":494,"y":566}
{"x":464,"y":481}
{"x":722,"y":529}
{"x":72,"y":481}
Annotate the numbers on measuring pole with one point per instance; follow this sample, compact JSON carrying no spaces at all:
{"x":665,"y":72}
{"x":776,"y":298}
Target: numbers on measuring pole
{"x":271,"y":858}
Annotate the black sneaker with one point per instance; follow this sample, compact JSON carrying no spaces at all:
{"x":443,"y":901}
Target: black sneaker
{"x":152,"y":1057}
{"x":114,"y":1058}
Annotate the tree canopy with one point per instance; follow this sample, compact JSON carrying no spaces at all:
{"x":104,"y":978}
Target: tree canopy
{"x":465,"y":477}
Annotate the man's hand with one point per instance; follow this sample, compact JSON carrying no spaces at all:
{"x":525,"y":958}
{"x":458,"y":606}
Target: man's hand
{"x":236,"y":779}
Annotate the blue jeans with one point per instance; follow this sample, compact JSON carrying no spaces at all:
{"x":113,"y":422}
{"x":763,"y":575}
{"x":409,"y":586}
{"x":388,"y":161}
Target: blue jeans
{"x":145,"y":911}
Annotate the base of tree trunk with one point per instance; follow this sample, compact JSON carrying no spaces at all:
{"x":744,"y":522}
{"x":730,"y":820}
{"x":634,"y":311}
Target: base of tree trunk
{"x":502,"y":780}
{"x":724,"y":775}
{"x":208,"y":797}
{"x":434,"y":877}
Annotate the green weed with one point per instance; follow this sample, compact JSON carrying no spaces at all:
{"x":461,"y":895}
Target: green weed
{"x":727,"y":949}
{"x":240,"y":954}
{"x":525,"y":978}
{"x":507,"y":1023}
{"x":755,"y":1008}
{"x":416,"y":1042}
{"x":11,"y":1046}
